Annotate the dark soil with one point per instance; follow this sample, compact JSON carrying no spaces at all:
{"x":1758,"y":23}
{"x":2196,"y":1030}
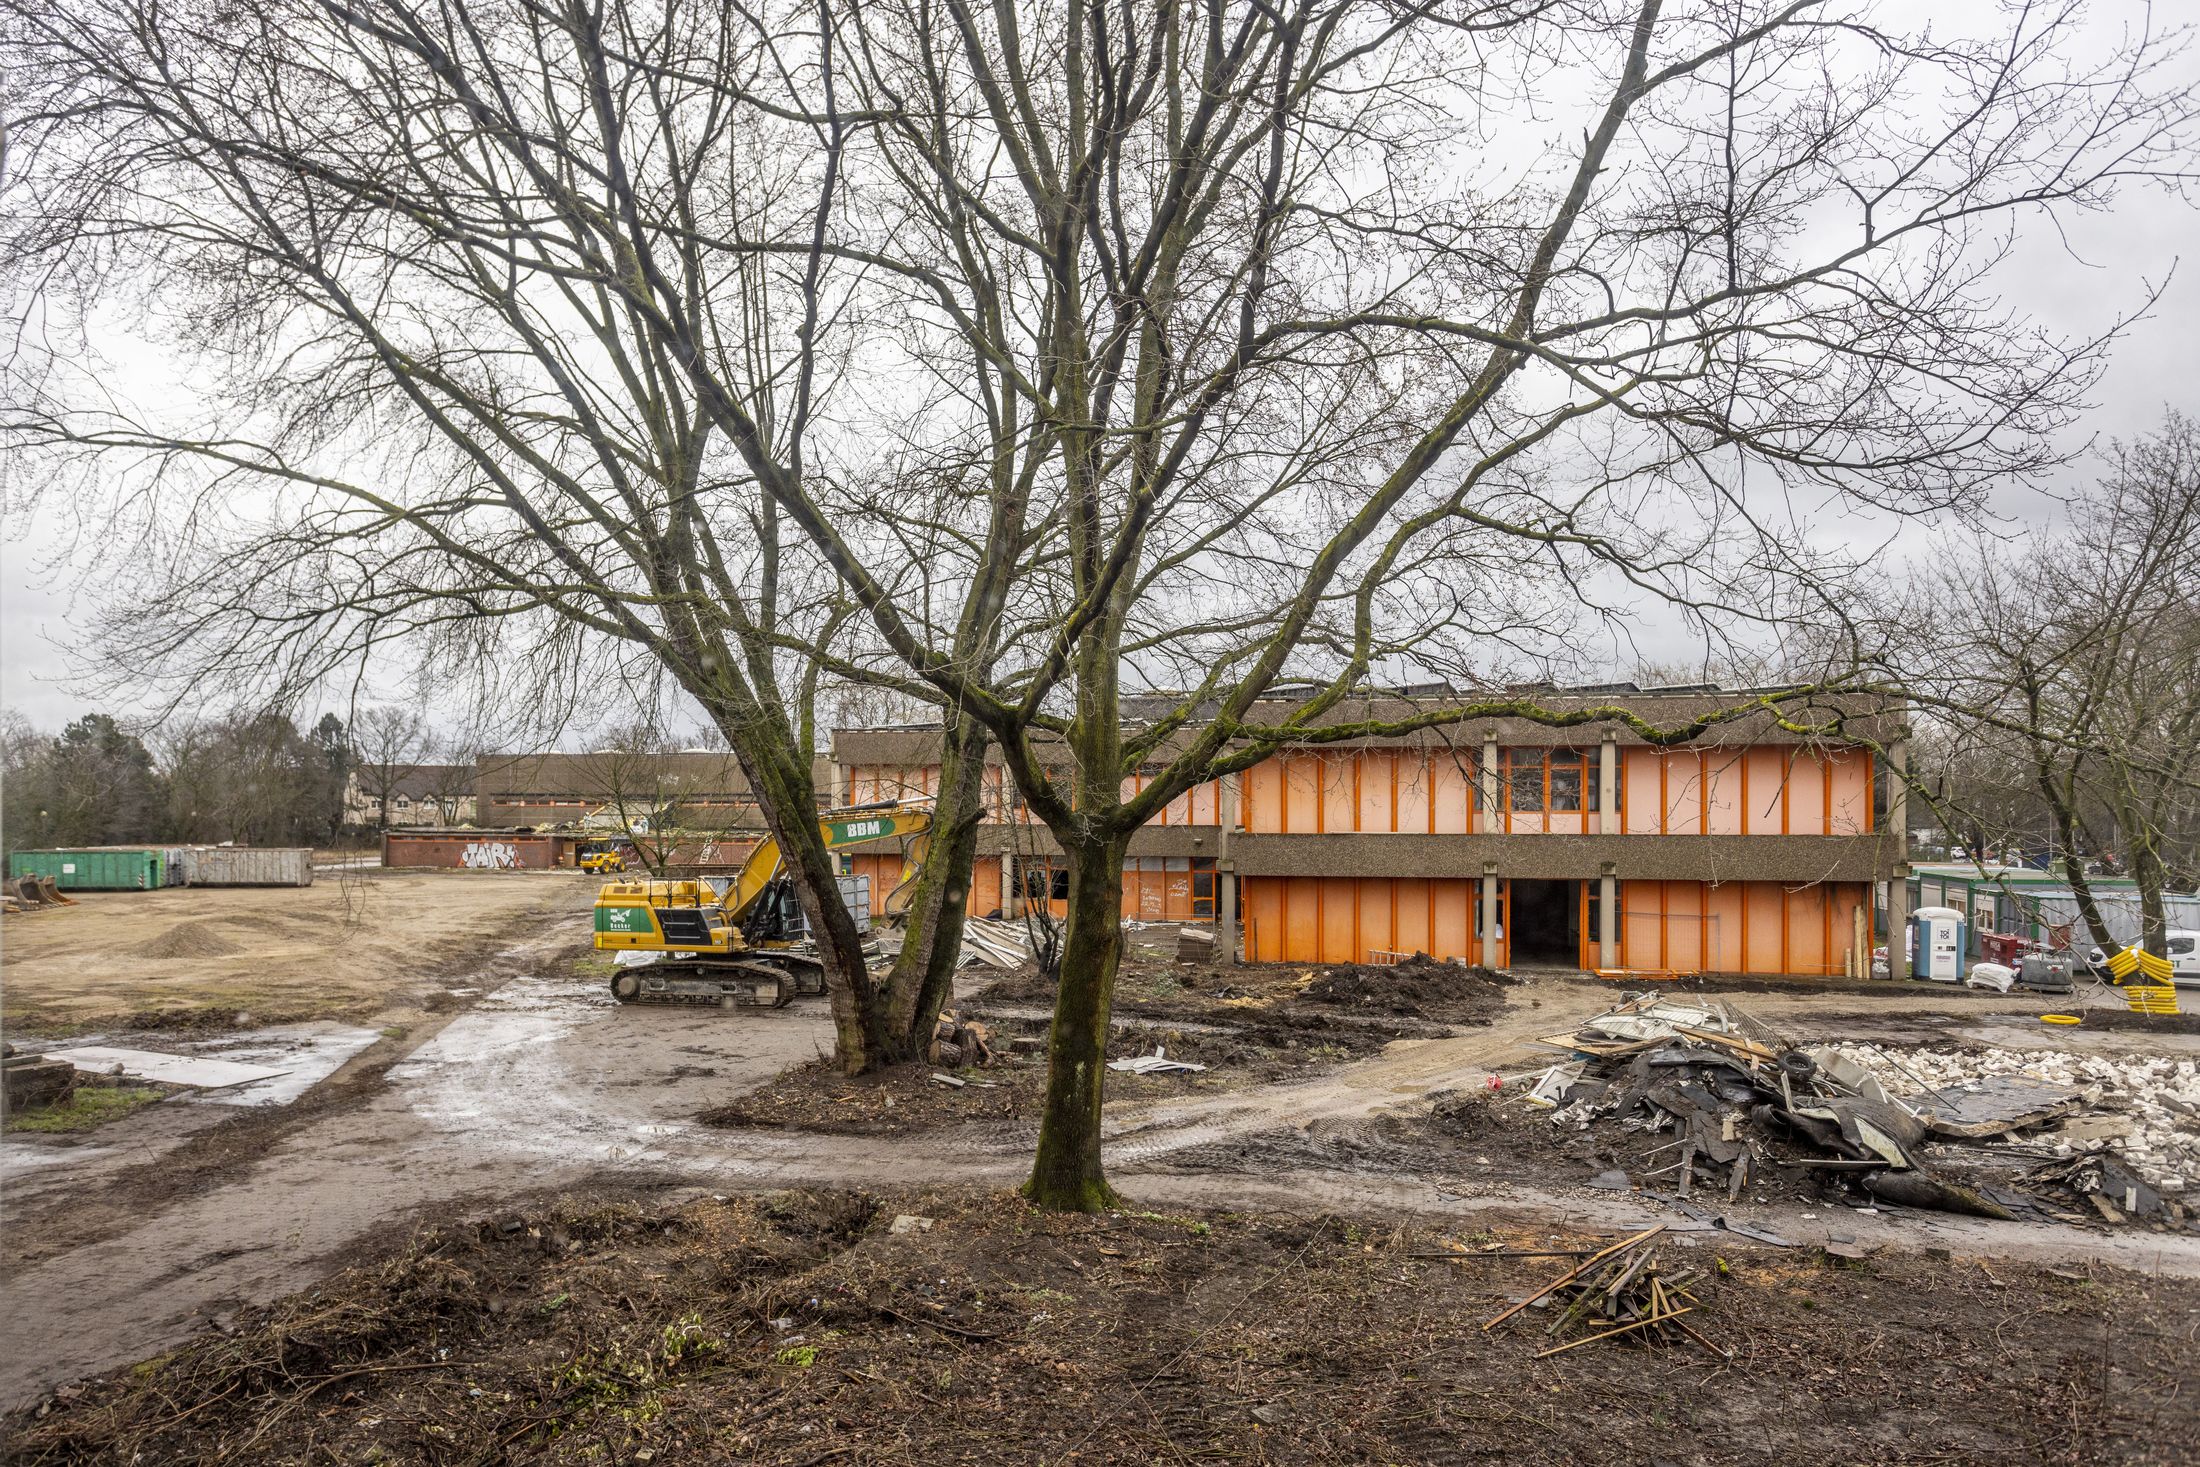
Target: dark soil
{"x":1419,"y":987}
{"x":905,"y":1098}
{"x":798,"y":1328}
{"x":2136,"y":1023}
{"x":1283,"y":996}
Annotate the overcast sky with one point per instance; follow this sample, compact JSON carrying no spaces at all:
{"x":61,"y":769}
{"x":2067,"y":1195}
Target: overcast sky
{"x":2073,"y":279}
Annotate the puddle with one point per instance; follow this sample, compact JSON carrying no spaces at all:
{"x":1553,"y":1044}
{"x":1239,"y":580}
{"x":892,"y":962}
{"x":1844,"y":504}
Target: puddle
{"x":17,"y":1157}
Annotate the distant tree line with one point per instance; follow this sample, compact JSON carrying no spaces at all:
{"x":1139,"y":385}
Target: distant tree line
{"x":250,"y":778}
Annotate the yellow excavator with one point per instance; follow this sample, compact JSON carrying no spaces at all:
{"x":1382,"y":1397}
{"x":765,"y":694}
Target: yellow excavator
{"x":738,"y":940}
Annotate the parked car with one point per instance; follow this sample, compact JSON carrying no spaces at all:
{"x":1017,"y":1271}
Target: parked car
{"x":2184,"y":958}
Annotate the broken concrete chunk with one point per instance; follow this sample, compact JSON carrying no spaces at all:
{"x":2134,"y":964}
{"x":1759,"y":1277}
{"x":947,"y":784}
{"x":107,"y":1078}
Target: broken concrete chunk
{"x":908,"y":1223}
{"x":2094,"y":1128}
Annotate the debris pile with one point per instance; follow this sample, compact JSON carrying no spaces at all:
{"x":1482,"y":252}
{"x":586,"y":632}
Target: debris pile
{"x":994,"y":944}
{"x":1710,"y":1099}
{"x":1621,"y":1292}
{"x":2143,"y":1112}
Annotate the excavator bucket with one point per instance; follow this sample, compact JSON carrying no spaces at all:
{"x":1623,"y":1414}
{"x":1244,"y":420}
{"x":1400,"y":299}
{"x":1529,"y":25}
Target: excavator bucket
{"x":26,"y":888}
{"x":51,"y":891}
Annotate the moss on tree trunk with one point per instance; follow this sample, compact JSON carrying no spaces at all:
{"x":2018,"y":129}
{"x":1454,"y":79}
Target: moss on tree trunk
{"x":1066,"y":1175}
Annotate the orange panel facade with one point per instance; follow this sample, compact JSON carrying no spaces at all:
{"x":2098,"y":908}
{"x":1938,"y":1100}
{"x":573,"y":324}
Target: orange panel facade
{"x":1737,"y":926}
{"x":1305,"y":919}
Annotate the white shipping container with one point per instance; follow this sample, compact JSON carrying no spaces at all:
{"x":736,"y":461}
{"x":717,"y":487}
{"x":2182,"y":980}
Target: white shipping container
{"x":248,"y":866}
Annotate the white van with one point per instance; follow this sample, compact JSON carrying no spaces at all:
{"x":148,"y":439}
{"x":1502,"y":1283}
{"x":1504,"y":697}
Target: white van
{"x":2184,"y":958}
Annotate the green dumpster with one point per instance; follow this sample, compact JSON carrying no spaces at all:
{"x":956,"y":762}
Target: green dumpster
{"x":95,"y":868}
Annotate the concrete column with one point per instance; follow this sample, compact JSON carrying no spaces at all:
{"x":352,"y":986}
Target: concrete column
{"x":1492,"y":818}
{"x":1226,"y":883}
{"x":1895,"y":843}
{"x":1608,"y":792}
{"x":1608,"y":912}
{"x":1226,"y":916}
{"x":1898,"y":922}
{"x":1489,"y":916}
{"x":1008,"y":884}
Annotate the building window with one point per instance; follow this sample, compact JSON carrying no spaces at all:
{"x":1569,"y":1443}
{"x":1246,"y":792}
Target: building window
{"x":1540,"y":780}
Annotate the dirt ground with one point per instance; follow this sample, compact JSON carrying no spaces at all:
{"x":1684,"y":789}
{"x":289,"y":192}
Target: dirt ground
{"x":1325,"y":1145}
{"x":808,"y":1327}
{"x":343,"y":948}
{"x":817,"y":1097}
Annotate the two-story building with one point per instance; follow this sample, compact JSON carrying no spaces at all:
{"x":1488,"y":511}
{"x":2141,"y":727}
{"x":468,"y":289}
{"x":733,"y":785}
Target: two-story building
{"x":1752,"y":849}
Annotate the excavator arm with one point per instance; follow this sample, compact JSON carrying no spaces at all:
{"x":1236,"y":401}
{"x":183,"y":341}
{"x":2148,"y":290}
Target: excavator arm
{"x":852,"y":825}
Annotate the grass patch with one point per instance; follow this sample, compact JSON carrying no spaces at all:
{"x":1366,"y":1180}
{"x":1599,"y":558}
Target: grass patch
{"x":594,"y":967}
{"x":88,"y":1107}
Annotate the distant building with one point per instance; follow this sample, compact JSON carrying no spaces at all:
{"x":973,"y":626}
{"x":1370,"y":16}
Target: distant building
{"x":426,"y":795}
{"x":616,"y":789}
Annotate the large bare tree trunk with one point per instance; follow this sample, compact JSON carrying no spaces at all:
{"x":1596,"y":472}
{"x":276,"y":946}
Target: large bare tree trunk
{"x":924,"y":973}
{"x":1066,"y":1176}
{"x":788,"y":798}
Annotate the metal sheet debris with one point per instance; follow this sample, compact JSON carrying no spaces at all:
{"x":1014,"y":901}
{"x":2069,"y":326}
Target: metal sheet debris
{"x":1152,"y":1064}
{"x":166,"y":1069}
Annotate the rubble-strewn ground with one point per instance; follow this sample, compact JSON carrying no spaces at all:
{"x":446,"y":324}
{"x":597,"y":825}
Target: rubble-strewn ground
{"x":345,"y":947}
{"x":803,"y":1328}
{"x":187,"y":1215}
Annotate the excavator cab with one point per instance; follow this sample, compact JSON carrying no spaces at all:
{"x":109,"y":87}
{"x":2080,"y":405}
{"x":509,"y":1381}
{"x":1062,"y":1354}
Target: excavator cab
{"x":728,"y":941}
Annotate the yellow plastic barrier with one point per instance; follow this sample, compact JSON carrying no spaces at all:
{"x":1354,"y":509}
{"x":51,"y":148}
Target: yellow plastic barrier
{"x":2145,"y":979}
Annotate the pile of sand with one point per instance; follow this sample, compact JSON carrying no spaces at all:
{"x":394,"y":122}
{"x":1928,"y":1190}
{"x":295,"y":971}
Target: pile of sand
{"x":187,"y":940}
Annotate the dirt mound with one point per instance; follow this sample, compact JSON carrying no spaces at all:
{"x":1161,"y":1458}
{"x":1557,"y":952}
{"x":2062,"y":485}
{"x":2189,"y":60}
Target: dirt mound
{"x":1419,"y":987}
{"x":187,"y":940}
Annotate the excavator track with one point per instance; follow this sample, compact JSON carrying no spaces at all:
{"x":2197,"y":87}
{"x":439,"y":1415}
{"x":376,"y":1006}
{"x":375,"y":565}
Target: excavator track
{"x":707,"y":983}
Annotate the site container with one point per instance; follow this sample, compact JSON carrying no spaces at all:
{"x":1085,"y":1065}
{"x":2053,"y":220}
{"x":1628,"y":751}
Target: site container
{"x":99,"y":868}
{"x":248,"y":866}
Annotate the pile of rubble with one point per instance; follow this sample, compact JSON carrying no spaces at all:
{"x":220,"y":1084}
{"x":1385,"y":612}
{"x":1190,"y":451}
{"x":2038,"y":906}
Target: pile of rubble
{"x":2144,"y":1112}
{"x":1708,"y":1099}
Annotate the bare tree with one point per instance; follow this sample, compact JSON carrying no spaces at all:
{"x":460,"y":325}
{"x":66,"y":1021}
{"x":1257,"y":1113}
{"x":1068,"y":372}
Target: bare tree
{"x":445,"y":268}
{"x":448,"y":777}
{"x":2069,"y":661}
{"x":390,"y":743}
{"x":1243,"y":368}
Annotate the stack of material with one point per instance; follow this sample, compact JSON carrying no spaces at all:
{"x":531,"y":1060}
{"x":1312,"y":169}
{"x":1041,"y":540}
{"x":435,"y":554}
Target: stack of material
{"x":955,"y":1043}
{"x":1195,"y":944}
{"x":33,"y":1079}
{"x":1622,"y":1292}
{"x":994,"y":944}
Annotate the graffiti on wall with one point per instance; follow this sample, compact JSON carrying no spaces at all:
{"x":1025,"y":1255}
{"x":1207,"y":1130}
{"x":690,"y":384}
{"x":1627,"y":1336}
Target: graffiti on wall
{"x":491,"y":855}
